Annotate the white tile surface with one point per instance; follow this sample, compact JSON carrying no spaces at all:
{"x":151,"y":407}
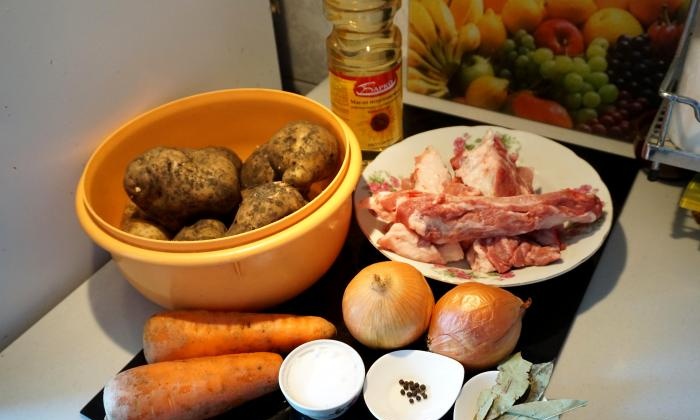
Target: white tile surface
{"x":56,"y":367}
{"x":633,"y":349}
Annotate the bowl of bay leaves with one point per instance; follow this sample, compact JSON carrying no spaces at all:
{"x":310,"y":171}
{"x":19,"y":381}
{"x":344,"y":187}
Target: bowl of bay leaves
{"x":515,"y":390}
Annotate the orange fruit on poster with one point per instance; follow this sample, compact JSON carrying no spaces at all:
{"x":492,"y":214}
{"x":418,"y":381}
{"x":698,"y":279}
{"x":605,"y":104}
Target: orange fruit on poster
{"x":488,"y":92}
{"x":495,"y":5}
{"x":618,"y":4}
{"x":647,"y":11}
{"x":493,"y":32}
{"x":525,"y":104}
{"x":522,"y":14}
{"x":575,"y":11}
{"x":611,"y":23}
{"x":466,"y":11}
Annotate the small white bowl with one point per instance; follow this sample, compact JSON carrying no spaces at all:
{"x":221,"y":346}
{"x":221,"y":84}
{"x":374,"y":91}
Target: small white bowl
{"x":442,"y":376}
{"x":322,"y":378}
{"x":466,"y":405}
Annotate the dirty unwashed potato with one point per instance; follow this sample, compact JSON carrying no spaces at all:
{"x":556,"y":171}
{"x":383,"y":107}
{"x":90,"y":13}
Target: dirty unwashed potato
{"x":135,"y":222}
{"x":264,"y":204}
{"x":202,"y":230}
{"x":299,"y":154}
{"x":177,"y":186}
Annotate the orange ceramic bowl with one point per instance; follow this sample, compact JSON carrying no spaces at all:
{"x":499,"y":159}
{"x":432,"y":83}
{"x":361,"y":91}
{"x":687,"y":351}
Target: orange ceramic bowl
{"x":268,"y":267}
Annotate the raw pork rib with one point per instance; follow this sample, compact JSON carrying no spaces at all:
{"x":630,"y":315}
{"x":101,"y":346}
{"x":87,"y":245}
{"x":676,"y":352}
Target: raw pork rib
{"x":407,"y":243}
{"x":486,"y":212}
{"x":548,"y":237}
{"x":502,"y":253}
{"x":430,"y":173}
{"x":453,"y":219}
{"x":490,"y":169}
{"x":384,"y":203}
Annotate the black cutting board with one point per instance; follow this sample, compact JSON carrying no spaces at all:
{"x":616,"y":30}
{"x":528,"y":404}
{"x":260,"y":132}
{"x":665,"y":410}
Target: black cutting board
{"x":546,"y":323}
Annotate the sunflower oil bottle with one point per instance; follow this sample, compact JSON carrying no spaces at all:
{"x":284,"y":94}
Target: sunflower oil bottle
{"x":364,"y":63}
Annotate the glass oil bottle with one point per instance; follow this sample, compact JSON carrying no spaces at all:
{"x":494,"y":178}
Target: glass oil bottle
{"x":364,"y":62}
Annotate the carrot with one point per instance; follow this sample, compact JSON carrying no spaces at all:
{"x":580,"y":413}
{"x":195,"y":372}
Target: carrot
{"x":190,"y":389}
{"x":173,"y":335}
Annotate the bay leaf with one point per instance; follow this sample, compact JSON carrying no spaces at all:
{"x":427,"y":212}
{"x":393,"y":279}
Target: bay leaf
{"x":540,"y":374}
{"x":484,"y":402}
{"x":544,"y":410}
{"x":512,"y":382}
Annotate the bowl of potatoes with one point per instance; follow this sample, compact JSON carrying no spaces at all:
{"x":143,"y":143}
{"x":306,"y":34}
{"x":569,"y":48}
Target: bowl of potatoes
{"x":200,"y":201}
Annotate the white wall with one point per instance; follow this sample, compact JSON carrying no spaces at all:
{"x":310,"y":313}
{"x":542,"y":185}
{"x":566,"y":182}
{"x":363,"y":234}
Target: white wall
{"x":71,"y":71}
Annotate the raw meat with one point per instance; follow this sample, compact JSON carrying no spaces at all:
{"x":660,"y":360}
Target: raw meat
{"x":451,"y":251}
{"x":430,"y":173}
{"x":401,"y":240}
{"x":442,"y":219}
{"x":548,"y":237}
{"x":459,"y":189}
{"x":491,"y":169}
{"x":503,"y":253}
{"x":384,"y":203}
{"x":486,"y":212}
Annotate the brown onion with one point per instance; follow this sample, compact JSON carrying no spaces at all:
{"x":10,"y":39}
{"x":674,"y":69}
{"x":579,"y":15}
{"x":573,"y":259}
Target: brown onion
{"x":387,"y":305}
{"x":476,"y":324}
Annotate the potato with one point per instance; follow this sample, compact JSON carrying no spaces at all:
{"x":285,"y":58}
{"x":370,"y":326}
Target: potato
{"x":231,"y":155}
{"x":256,"y":169}
{"x":177,"y":186}
{"x":264,"y":204}
{"x":145,"y":229}
{"x":299,"y":154}
{"x":136,"y":223}
{"x":202,"y":230}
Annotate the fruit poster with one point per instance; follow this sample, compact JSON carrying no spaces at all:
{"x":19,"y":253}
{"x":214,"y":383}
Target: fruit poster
{"x":589,"y":65}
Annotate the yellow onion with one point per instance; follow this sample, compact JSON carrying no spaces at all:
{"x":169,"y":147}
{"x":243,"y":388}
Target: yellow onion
{"x":387,"y":305}
{"x":476,"y":324}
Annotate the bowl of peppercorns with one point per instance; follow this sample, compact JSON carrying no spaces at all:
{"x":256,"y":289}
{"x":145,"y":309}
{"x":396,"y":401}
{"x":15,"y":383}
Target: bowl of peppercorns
{"x":412,"y":385}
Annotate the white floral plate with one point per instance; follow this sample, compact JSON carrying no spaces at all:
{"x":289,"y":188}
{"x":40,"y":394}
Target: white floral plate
{"x":441,"y":375}
{"x":556,"y":167}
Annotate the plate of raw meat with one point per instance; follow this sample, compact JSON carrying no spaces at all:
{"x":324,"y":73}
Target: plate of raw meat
{"x":483,"y":203}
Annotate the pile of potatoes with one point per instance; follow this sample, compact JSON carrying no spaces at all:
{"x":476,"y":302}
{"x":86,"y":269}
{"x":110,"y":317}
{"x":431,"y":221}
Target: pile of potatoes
{"x":197,"y":194}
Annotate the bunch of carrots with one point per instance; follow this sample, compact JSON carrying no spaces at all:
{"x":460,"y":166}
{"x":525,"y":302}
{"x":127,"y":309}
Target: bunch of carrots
{"x":204,"y":363}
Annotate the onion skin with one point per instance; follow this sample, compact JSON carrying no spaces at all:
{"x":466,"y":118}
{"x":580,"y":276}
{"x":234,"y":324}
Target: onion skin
{"x":387,"y":305}
{"x":476,"y":324}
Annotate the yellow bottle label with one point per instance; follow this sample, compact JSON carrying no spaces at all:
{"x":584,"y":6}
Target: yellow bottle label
{"x":371,"y":105}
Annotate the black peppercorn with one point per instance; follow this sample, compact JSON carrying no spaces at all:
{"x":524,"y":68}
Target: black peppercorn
{"x":413,"y":390}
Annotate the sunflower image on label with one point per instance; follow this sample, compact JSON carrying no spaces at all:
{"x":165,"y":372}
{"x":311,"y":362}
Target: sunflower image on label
{"x":370,"y":105}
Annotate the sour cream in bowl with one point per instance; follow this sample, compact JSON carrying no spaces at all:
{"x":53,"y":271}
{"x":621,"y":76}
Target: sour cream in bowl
{"x":322,"y":379}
